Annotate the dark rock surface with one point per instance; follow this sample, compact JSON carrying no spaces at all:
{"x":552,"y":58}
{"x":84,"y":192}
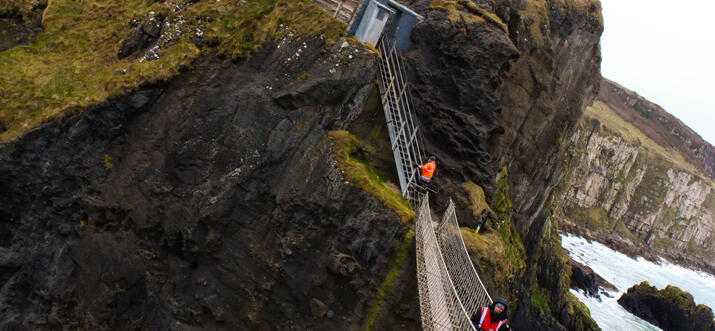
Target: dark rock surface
{"x":585,"y":279}
{"x":199,"y":204}
{"x":453,"y":94}
{"x":144,"y":32}
{"x":20,"y":21}
{"x":492,"y":96}
{"x":670,"y":308}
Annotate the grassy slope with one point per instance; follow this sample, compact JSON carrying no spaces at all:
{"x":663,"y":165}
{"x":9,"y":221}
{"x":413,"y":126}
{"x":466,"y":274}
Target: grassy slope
{"x":616,"y":125}
{"x":73,"y":63}
{"x":347,"y":149}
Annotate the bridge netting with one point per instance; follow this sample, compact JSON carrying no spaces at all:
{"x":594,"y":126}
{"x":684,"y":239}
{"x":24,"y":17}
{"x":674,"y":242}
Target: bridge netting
{"x":450,"y":289}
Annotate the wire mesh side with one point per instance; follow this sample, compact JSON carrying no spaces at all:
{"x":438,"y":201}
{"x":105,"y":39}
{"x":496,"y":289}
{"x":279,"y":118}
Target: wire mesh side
{"x":466,"y":281}
{"x":440,"y":306}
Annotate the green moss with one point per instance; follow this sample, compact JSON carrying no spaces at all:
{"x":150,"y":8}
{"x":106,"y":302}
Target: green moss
{"x":73,"y":63}
{"x":499,"y":250}
{"x":477,"y":199}
{"x":496,"y":257}
{"x":581,"y":316}
{"x":535,"y":22}
{"x":346,"y":148}
{"x":674,"y":305}
{"x":118,"y":290}
{"x":107,"y":161}
{"x":463,"y":12}
{"x":539,"y":297}
{"x":514,"y":247}
{"x":371,"y":129}
{"x":396,"y":266}
{"x":502,"y":201}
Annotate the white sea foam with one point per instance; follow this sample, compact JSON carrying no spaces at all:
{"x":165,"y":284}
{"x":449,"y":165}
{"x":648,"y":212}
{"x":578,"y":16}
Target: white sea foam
{"x":624,"y":272}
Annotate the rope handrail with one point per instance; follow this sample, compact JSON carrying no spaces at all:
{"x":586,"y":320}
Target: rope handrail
{"x":450,"y":288}
{"x":468,"y":284}
{"x":440,"y":304}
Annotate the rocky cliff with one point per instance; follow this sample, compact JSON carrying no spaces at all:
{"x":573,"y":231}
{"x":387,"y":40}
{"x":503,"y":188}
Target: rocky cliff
{"x":659,"y":125}
{"x":171,"y":208}
{"x":623,"y":183}
{"x":213,"y":198}
{"x":499,"y":87}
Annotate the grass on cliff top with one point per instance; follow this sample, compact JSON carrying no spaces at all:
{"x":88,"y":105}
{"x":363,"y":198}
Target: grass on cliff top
{"x":346,"y":147}
{"x":466,"y":12}
{"x":477,"y":199}
{"x":633,"y":136}
{"x":73,"y":63}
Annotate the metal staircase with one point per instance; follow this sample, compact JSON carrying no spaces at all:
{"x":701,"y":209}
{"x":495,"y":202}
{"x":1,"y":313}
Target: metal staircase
{"x":401,"y":121}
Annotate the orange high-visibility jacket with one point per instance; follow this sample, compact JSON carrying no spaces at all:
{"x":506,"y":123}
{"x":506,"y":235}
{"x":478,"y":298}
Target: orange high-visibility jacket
{"x":428,"y":169}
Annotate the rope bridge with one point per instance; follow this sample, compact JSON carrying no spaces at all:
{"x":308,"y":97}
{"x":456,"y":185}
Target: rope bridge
{"x":449,"y":287}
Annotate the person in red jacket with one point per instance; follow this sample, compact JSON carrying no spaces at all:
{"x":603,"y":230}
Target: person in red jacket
{"x":428,"y":169}
{"x":492,"y":318}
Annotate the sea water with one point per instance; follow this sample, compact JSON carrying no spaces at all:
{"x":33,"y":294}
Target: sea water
{"x":624,"y":272}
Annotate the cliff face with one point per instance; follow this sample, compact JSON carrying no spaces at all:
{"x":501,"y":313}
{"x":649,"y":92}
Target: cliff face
{"x":215,"y":200}
{"x":501,"y":84}
{"x":637,"y":189}
{"x":173,"y":208}
{"x":659,"y":125}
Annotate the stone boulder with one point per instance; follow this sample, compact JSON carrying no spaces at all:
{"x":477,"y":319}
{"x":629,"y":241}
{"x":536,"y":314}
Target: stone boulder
{"x":670,"y":308}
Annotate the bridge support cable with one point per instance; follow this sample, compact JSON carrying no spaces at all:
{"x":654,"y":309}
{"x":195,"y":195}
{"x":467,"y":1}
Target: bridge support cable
{"x":468,"y":285}
{"x":401,"y":121}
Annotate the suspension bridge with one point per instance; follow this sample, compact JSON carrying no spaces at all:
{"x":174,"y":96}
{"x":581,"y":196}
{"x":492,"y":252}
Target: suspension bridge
{"x":450,"y":289}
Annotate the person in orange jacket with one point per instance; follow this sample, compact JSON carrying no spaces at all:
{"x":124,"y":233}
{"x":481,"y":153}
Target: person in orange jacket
{"x":428,"y":170}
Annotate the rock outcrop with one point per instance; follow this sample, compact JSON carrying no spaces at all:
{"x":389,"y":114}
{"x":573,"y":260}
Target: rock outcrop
{"x":671,"y":308}
{"x":637,"y":189}
{"x":501,"y":84}
{"x":200,"y":203}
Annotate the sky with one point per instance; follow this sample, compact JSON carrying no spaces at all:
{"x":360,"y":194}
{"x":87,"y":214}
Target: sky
{"x":665,"y":52}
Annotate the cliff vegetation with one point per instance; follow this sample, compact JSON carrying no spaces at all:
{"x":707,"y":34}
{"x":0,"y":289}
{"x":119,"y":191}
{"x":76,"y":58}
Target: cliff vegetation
{"x":92,"y":50}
